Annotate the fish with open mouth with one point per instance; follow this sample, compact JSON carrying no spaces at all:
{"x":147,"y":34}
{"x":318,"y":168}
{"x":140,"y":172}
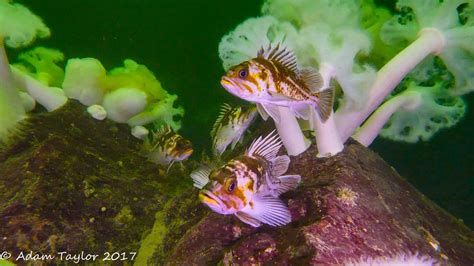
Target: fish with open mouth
{"x":249,"y":185}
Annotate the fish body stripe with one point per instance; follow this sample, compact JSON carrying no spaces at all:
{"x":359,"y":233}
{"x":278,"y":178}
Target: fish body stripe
{"x":282,"y":80}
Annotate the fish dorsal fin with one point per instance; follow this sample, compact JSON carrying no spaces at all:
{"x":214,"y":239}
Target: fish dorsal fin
{"x":266,"y":148}
{"x":268,"y":210}
{"x":158,"y":136}
{"x":326,"y":101}
{"x":280,"y":55}
{"x":164,"y":129}
{"x":312,"y":79}
{"x":225,"y":108}
{"x":200,"y":176}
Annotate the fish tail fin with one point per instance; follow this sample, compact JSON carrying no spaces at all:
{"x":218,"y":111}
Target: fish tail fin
{"x":326,"y":101}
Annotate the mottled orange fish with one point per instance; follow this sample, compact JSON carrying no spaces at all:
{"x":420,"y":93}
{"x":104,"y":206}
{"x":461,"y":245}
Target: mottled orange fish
{"x":231,"y":126}
{"x":249,"y":185}
{"x":166,"y":146}
{"x":273,"y":78}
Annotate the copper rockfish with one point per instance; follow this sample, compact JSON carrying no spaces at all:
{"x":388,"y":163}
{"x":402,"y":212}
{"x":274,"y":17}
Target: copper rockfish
{"x":273,"y":78}
{"x":230,"y":126}
{"x":249,"y":185}
{"x":166,"y":146}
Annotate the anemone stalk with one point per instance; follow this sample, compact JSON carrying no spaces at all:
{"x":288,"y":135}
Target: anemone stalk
{"x":429,"y":41}
{"x":371,"y":128}
{"x":290,"y":132}
{"x":8,"y":90}
{"x":328,"y":140}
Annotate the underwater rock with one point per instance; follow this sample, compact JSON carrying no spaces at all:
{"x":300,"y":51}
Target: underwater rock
{"x":349,"y":207}
{"x":73,"y":183}
{"x":78,"y":184}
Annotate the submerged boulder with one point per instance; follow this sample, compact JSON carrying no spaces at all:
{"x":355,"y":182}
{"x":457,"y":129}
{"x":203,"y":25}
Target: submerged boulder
{"x":73,"y":183}
{"x":352,"y":207}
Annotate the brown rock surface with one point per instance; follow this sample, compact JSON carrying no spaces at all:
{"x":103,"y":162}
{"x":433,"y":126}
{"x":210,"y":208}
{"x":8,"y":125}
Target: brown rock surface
{"x":77,"y":184}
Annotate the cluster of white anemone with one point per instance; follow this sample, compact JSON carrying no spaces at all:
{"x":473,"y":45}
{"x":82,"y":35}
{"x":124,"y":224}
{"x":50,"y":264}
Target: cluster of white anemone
{"x":129,"y":94}
{"x":341,"y":39}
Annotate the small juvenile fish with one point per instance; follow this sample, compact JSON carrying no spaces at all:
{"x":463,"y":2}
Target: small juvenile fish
{"x":273,"y":78}
{"x":249,"y":185}
{"x":230,"y":126}
{"x":167,"y":147}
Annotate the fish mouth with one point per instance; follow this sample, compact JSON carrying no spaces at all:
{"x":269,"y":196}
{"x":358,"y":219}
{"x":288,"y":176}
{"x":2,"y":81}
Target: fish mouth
{"x":182,"y":155}
{"x":211,"y":200}
{"x":230,"y":85}
{"x":226,"y":82}
{"x":185,"y":154}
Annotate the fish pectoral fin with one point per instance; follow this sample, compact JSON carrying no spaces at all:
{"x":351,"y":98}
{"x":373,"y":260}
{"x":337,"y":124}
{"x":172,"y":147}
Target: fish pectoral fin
{"x":268,"y":210}
{"x":200,"y":176}
{"x":312,"y":79}
{"x":287,"y":183}
{"x":270,"y":110}
{"x":248,"y":219}
{"x":280,"y":165}
{"x":326,"y":101}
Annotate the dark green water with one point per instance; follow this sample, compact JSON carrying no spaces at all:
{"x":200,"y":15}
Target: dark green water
{"x":178,"y":41}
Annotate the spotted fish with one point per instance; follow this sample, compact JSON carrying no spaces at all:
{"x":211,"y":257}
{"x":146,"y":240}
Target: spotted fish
{"x":230,"y":126}
{"x":273,"y":78}
{"x":249,"y":185}
{"x":166,"y":147}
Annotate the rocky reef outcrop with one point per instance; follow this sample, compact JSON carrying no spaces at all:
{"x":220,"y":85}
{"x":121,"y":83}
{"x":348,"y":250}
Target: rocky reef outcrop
{"x":72,"y":183}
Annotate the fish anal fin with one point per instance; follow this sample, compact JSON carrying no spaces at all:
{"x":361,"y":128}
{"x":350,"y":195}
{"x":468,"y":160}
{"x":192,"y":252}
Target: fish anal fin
{"x":302,"y":111}
{"x":248,"y":219}
{"x":262,"y":112}
{"x":268,"y":210}
{"x":312,"y":79}
{"x":280,"y":165}
{"x":271,"y":111}
{"x":326,"y":101}
{"x":287,"y":183}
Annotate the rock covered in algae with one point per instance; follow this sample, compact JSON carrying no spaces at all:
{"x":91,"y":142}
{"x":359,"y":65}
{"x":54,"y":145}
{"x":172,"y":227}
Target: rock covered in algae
{"x":77,"y":184}
{"x":72,"y":183}
{"x":348,"y":208}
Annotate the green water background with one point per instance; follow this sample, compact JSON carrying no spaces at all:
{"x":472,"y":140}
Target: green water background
{"x":178,"y":41}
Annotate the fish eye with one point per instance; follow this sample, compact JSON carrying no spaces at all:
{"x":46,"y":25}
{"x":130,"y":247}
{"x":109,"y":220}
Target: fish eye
{"x":243,"y":73}
{"x":232,"y":186}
